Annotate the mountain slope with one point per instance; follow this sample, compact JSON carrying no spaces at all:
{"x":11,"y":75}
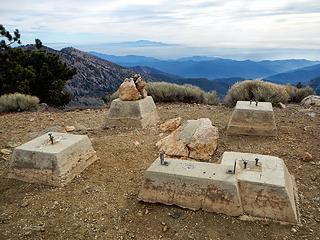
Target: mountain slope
{"x":303,"y":75}
{"x":221,"y":86}
{"x":210,"y":67}
{"x":95,"y":77}
{"x":315,"y":84}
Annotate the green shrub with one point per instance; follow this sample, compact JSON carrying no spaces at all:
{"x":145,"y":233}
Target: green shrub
{"x":297,"y":94}
{"x":169,"y":92}
{"x":18,"y":102}
{"x":256,"y":90}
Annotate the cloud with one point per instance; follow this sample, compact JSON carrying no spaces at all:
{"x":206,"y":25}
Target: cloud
{"x":215,"y":23}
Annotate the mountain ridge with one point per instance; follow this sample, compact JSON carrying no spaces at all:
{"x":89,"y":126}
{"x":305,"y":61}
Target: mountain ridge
{"x":211,"y":67}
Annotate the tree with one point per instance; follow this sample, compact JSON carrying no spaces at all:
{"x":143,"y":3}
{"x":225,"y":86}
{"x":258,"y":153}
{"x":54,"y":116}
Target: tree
{"x":299,"y":85}
{"x":34,"y":72}
{"x":38,"y":43}
{"x":9,"y":39}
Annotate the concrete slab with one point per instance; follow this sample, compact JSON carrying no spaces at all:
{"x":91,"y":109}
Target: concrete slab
{"x":251,"y":119}
{"x":40,"y":161}
{"x":265,"y":190}
{"x":138,"y":114}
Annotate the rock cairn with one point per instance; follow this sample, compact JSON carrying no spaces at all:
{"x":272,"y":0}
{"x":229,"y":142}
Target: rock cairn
{"x":132,"y":89}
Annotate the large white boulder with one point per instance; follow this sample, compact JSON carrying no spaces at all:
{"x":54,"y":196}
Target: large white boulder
{"x":196,"y":139}
{"x":311,"y":100}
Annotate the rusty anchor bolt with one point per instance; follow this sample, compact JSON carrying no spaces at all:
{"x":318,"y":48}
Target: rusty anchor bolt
{"x":245,"y":162}
{"x":162,"y":161}
{"x":51,"y":137}
{"x":257,"y":160}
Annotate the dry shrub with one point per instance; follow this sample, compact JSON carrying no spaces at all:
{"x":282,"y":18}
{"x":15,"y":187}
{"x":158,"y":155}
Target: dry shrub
{"x":17,"y":102}
{"x":211,"y":98}
{"x":169,"y":92}
{"x":256,"y":90}
{"x":297,"y":94}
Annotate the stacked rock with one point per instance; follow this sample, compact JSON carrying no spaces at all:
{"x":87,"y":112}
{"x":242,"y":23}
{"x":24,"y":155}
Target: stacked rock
{"x":132,"y":89}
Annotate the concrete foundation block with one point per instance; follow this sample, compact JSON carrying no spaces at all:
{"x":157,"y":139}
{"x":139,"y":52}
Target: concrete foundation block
{"x":263,"y":190}
{"x":267,"y":189}
{"x":40,"y":161}
{"x":193,"y":185}
{"x":251,"y":119}
{"x":137,"y":114}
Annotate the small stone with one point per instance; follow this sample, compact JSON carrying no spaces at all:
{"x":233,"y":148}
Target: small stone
{"x":25,"y":203}
{"x":69,"y":128}
{"x":31,"y":120}
{"x":307,"y":157}
{"x":136,"y":143}
{"x":51,"y":119}
{"x":281,"y":105}
{"x":146,"y":211}
{"x":165,"y":228}
{"x":294,"y":230}
{"x":38,"y":228}
{"x":175,"y":214}
{"x":6,"y":151}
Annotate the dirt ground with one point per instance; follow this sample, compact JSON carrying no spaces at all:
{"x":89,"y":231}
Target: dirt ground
{"x":102,"y":202}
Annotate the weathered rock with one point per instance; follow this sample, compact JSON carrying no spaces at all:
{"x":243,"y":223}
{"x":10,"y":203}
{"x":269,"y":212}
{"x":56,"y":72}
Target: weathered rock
{"x":43,"y":107}
{"x":69,"y":128}
{"x":171,"y":124}
{"x":281,"y":105}
{"x":307,"y":157}
{"x":311,"y":100}
{"x":128,"y":91}
{"x":196,"y":139}
{"x":6,"y":151}
{"x":140,"y":85}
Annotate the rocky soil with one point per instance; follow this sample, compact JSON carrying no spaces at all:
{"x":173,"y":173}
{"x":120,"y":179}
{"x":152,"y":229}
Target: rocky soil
{"x":102,"y":203}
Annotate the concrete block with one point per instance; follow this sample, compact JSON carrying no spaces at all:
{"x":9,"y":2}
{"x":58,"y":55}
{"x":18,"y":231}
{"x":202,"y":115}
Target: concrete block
{"x":138,"y":114}
{"x":249,"y":119}
{"x":265,"y":190}
{"x":193,"y":185}
{"x":40,"y":161}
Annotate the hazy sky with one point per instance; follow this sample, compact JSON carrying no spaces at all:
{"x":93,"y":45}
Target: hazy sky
{"x":206,"y":23}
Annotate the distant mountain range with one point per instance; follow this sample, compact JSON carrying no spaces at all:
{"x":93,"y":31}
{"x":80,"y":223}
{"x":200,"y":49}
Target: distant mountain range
{"x":303,"y":75}
{"x":214,"y":67}
{"x":97,"y":77}
{"x":221,"y":86}
{"x":139,"y":43}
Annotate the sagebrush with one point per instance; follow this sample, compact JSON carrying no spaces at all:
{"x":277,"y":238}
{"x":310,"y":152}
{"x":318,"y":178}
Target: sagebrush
{"x":17,"y":102}
{"x":297,"y":94}
{"x":169,"y":92}
{"x":265,"y":92}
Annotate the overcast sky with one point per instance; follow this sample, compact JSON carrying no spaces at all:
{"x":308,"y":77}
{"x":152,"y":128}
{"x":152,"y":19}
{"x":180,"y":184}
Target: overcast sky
{"x":209,"y":23}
